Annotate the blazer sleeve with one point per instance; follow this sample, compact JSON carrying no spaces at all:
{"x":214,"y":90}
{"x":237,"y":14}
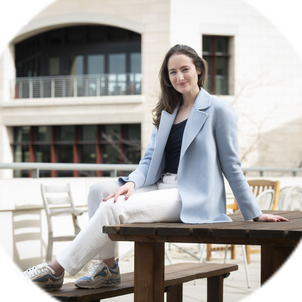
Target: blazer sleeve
{"x":138,"y":176}
{"x":226,"y":134}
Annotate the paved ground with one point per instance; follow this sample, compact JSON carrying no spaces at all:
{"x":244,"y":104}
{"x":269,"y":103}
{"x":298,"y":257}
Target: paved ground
{"x":235,"y":286}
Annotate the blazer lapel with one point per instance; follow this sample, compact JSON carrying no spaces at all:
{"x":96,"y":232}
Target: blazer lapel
{"x":196,"y":120}
{"x":164,"y":129}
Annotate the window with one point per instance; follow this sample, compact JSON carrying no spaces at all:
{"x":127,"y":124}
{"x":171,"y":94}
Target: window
{"x":215,"y":50}
{"x":114,"y":144}
{"x":87,"y":49}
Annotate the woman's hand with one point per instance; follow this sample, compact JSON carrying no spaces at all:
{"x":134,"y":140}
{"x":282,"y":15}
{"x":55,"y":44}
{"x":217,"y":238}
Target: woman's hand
{"x":127,"y":189}
{"x":270,"y":217}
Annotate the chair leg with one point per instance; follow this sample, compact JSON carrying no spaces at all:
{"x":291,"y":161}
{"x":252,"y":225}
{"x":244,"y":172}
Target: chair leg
{"x":233,"y":252}
{"x":248,"y":253}
{"x":209,"y":250}
{"x":49,"y":251}
{"x":226,"y":252}
{"x":246,"y":268}
{"x":168,"y":254}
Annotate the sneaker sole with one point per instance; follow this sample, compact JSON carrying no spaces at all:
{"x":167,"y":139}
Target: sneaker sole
{"x":104,"y":283}
{"x":50,"y":287}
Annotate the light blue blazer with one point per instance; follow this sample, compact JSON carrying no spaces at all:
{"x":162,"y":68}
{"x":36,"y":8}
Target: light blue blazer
{"x":209,"y":150}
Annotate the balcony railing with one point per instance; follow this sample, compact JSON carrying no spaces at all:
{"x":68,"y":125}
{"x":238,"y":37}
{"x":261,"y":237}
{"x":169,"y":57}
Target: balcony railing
{"x":77,"y":86}
{"x":113,"y":168}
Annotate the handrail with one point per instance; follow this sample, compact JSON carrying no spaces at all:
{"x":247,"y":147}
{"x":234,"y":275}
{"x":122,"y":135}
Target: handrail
{"x":76,"y":86}
{"x":113,"y":168}
{"x":35,"y":167}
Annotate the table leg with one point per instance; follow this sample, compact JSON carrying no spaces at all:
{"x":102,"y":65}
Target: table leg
{"x":215,"y":289}
{"x":272,"y":258}
{"x":149,"y":272}
{"x":175,"y":294}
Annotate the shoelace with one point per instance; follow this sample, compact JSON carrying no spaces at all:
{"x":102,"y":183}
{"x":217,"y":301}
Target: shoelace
{"x":95,"y":267}
{"x":37,"y":270}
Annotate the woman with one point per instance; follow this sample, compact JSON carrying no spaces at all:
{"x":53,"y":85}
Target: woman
{"x":180,"y":178}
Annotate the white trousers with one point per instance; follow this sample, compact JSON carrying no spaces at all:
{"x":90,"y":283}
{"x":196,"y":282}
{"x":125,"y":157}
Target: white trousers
{"x":157,"y":203}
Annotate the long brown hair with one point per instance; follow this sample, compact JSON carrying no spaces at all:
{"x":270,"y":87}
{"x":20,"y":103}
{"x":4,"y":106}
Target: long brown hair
{"x":169,"y":97}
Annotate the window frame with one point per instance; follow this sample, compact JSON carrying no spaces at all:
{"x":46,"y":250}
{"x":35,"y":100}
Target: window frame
{"x":214,"y":55}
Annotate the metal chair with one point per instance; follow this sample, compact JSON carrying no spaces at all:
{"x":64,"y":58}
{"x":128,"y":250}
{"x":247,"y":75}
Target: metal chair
{"x":290,"y":198}
{"x":57,"y":201}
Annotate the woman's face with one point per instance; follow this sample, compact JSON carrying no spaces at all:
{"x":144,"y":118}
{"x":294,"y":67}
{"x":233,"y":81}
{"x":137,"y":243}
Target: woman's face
{"x":183,"y":74}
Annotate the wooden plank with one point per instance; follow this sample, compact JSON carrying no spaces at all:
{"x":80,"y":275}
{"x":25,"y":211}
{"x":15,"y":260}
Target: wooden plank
{"x":180,"y":229}
{"x":295,"y":233}
{"x":174,"y":274}
{"x":126,"y":230}
{"x":275,"y":230}
{"x":186,"y":272}
{"x":111,"y":229}
{"x":212,"y":240}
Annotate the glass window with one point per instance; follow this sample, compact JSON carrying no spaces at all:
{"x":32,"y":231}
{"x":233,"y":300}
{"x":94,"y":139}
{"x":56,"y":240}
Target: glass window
{"x":111,"y":132}
{"x":135,"y":62}
{"x":216,"y":53}
{"x":206,"y":44}
{"x":54,"y":66}
{"x":134,"y":132}
{"x":65,"y":133}
{"x":110,"y":155}
{"x":21,"y":154}
{"x":42,"y":155}
{"x":117,"y":63}
{"x":22,"y":134}
{"x":118,"y":143}
{"x":65,"y":155}
{"x":222,"y":45}
{"x":44,"y":133}
{"x":117,"y":77}
{"x":88,"y":133}
{"x":88,"y":154}
{"x":76,"y":65}
{"x":52,"y":54}
{"x":96,"y":64}
{"x":135,"y":70}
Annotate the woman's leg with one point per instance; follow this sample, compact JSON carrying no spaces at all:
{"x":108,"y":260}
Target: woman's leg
{"x":98,"y":192}
{"x":154,"y":206}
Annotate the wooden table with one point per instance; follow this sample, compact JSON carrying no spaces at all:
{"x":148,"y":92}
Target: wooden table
{"x":277,"y":241}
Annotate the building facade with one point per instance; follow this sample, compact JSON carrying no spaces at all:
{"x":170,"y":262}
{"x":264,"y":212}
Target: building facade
{"x":79,"y":81}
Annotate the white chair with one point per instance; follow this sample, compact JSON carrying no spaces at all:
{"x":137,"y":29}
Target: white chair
{"x":266,"y":199}
{"x":290,"y":198}
{"x":57,"y":201}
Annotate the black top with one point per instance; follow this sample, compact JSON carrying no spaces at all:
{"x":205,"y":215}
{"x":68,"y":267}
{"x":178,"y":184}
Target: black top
{"x":172,"y":150}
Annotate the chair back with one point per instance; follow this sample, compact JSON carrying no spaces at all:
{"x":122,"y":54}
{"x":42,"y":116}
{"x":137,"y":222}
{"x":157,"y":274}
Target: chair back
{"x":258,"y":187}
{"x":290,"y":198}
{"x":57,"y":200}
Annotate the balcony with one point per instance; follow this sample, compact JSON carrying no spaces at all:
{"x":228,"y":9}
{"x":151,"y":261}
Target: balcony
{"x":76,"y":86}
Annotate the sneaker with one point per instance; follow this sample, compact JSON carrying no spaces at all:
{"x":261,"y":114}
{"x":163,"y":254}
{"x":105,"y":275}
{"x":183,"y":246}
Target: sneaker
{"x":100,"y":275}
{"x":44,"y":276}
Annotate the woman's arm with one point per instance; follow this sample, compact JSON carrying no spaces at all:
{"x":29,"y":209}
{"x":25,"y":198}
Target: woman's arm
{"x":226,"y":134}
{"x":270,"y":217}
